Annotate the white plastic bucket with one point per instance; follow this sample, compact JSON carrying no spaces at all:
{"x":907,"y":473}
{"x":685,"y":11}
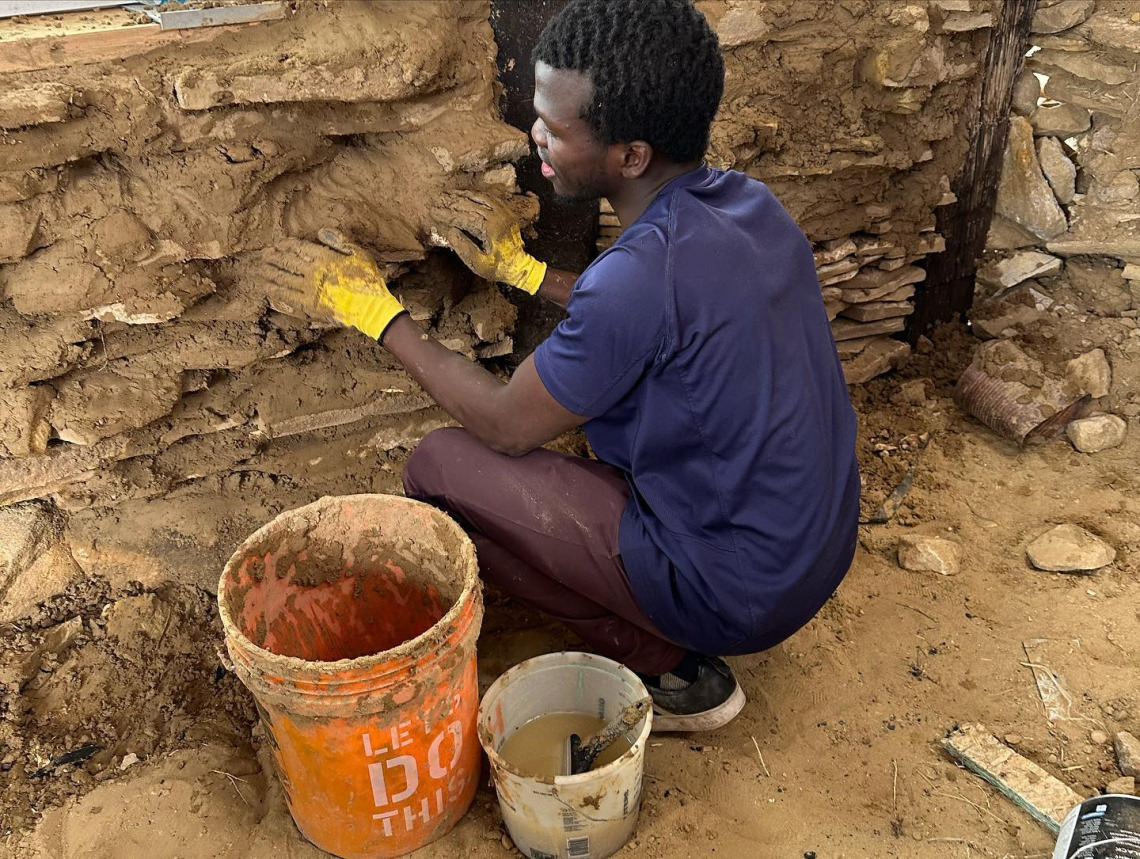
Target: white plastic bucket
{"x":586,"y":816}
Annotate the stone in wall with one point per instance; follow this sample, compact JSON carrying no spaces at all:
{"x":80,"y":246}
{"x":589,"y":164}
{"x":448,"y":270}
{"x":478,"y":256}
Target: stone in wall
{"x":1090,"y":66}
{"x":1026,"y":93}
{"x":1060,"y":172}
{"x":1060,"y":120}
{"x":1024,"y":197}
{"x":1061,"y":16}
{"x":864,"y":169}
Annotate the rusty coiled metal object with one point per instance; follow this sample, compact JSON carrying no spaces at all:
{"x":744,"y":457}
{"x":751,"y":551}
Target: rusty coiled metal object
{"x":1013,"y":409}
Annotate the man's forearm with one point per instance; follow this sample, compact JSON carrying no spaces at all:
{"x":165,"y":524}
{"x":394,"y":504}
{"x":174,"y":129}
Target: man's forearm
{"x":513,"y":418}
{"x":557,"y":284}
{"x":464,"y":390}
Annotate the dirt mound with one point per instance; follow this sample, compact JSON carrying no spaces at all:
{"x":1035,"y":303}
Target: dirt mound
{"x":126,"y":676}
{"x":899,"y":415}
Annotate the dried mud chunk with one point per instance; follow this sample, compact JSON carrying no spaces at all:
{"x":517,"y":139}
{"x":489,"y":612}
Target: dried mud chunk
{"x":96,"y":404}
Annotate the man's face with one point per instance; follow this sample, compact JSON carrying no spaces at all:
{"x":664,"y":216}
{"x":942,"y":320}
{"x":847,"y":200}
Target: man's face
{"x":577,"y":164}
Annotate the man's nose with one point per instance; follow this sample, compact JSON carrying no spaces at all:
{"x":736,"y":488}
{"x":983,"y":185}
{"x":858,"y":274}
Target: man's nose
{"x":538,"y":134}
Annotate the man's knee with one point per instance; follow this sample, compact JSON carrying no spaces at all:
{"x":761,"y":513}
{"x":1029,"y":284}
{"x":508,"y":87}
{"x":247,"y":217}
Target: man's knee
{"x":425,"y":471}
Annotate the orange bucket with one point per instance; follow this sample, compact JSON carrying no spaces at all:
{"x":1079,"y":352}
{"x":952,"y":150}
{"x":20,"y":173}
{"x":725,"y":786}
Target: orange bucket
{"x":353,"y":622}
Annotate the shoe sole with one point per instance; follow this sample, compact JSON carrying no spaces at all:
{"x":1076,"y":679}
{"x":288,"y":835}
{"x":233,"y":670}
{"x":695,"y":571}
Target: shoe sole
{"x":709,"y":720}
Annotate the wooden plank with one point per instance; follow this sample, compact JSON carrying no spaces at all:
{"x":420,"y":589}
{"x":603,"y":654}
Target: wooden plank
{"x":77,"y":38}
{"x":964,"y":223}
{"x":1027,"y":785}
{"x":244,"y":13}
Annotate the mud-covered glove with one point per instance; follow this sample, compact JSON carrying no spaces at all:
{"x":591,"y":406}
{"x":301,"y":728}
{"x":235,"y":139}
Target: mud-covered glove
{"x":333,"y":281}
{"x":498,"y":254}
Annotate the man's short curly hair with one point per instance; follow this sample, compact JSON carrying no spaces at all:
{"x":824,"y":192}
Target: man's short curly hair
{"x":656,"y":66}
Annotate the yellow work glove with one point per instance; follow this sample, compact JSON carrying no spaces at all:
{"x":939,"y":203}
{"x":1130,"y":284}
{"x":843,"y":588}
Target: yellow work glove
{"x":498,"y":254}
{"x":333,"y":281}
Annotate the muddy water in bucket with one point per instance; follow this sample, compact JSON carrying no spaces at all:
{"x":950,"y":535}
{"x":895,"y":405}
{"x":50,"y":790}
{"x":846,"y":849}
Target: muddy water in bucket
{"x":539,"y":748}
{"x":353,"y":622}
{"x":585,"y":816}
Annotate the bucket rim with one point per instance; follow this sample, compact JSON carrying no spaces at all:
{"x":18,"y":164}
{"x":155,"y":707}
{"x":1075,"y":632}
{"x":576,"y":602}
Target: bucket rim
{"x":395,"y":657}
{"x":498,"y":761}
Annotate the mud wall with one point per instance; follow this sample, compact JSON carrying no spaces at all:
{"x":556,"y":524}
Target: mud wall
{"x":153,"y":407}
{"x":854,"y":112}
{"x":1069,"y":200}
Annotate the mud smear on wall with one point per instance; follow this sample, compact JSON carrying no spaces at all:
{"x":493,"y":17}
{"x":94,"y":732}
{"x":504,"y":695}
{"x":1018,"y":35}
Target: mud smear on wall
{"x":148,"y":392}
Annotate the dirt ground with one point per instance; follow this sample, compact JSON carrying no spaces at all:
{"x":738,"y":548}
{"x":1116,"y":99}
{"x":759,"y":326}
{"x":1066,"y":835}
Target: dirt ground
{"x":837,"y":754}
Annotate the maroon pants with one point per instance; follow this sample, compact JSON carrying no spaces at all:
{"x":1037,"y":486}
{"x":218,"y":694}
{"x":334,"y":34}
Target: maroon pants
{"x":545,"y":527}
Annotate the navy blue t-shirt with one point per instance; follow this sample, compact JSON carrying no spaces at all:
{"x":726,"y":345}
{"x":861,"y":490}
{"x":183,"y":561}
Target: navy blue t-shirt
{"x":699,"y":348}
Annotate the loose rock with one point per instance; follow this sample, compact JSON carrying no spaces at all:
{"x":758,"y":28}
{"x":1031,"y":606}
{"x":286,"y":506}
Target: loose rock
{"x":1008,"y":273}
{"x":992,"y":327}
{"x":929,"y":554}
{"x":877,"y":357}
{"x":1091,"y":372}
{"x":1127,"y":753}
{"x":1092,"y":435}
{"x":142,"y":615}
{"x":1023,"y":195}
{"x":1069,"y":549}
{"x":1098,"y":737}
{"x":1125,"y":784}
{"x":1005,"y":235}
{"x":1058,"y":169}
{"x":912,"y":393}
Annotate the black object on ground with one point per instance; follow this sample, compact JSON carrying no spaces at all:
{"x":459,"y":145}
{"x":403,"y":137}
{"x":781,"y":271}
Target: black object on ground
{"x":73,"y":757}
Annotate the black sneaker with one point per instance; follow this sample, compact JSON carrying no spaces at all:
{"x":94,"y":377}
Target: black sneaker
{"x":709,"y":701}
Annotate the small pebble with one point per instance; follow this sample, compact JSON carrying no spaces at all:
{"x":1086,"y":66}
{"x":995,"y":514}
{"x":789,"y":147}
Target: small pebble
{"x":1099,"y":737}
{"x":1125,"y":784}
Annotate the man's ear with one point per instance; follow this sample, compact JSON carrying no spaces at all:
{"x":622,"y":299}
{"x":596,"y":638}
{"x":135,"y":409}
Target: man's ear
{"x":635,"y":159}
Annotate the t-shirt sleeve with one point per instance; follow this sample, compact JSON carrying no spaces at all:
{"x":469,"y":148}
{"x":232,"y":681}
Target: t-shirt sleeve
{"x":611,"y":334}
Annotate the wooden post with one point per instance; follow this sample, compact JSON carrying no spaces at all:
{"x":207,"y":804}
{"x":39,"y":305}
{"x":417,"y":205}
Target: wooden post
{"x":949,"y":289}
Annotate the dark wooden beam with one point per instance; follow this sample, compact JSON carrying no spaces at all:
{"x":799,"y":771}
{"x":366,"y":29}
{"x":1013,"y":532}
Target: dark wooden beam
{"x":567,"y":232}
{"x":949,"y":289}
